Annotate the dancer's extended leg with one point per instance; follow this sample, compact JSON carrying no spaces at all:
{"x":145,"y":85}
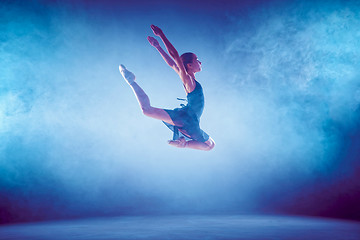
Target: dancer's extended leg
{"x":143,"y":99}
{"x":160,"y":114}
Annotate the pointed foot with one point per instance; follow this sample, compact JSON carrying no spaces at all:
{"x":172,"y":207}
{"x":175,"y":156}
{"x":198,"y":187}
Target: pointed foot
{"x":127,"y":75}
{"x":180,"y":143}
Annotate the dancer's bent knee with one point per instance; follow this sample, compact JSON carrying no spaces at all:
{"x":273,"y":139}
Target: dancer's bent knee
{"x":148,"y":111}
{"x":210,"y":143}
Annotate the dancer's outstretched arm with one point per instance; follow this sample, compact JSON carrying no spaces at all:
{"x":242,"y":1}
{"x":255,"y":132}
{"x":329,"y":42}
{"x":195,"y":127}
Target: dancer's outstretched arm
{"x":185,"y":77}
{"x":164,"y":55}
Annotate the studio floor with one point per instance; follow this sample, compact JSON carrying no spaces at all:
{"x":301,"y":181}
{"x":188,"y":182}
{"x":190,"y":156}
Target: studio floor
{"x":200,"y":227}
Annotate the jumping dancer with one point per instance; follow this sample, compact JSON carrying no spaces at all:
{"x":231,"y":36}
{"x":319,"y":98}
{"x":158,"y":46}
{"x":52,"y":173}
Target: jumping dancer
{"x":186,"y":119}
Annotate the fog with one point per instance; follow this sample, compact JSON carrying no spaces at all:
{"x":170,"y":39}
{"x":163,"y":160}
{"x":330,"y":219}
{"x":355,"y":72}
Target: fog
{"x":281,"y":85}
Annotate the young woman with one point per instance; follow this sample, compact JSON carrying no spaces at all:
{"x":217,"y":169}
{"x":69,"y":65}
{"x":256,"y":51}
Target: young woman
{"x":187,"y":118}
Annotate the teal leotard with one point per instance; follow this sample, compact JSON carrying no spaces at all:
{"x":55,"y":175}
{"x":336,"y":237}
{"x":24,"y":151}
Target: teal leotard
{"x":187,"y":118}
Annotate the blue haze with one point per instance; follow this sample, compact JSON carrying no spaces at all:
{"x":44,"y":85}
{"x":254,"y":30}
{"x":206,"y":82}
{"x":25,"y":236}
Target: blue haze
{"x":281,"y":82}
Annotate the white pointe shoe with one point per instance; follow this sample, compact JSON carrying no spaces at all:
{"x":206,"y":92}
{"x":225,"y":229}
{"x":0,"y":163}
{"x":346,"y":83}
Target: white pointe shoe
{"x":127,"y":75}
{"x":180,"y":143}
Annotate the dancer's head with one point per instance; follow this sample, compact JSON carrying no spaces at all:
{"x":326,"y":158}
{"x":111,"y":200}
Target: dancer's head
{"x":191,"y":62}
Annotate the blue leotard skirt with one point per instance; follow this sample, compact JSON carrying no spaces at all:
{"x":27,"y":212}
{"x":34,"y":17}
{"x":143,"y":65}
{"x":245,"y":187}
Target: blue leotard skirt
{"x":187,"y":122}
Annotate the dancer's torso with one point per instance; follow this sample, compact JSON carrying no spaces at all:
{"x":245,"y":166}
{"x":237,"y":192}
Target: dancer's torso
{"x":196,"y":100}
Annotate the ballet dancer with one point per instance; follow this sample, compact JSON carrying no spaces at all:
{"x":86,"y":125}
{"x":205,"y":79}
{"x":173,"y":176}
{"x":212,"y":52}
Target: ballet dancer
{"x":185,"y":119}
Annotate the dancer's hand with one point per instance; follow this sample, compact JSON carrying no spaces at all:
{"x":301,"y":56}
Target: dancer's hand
{"x":157,"y":31}
{"x":153,"y":42}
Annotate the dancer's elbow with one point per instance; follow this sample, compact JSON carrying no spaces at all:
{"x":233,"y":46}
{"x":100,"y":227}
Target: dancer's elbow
{"x":174,"y":53}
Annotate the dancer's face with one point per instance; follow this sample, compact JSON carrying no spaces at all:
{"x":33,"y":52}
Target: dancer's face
{"x":196,"y":64}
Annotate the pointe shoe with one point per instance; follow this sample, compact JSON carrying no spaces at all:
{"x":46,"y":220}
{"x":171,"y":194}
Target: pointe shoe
{"x":180,"y":143}
{"x":127,"y":75}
